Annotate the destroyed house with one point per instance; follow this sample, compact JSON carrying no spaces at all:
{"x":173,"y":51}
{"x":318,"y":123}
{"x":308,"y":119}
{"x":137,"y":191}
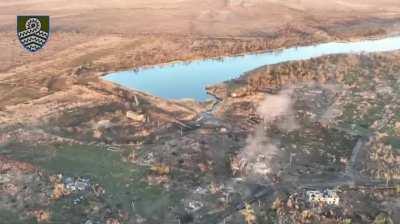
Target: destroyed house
{"x":329,"y":197}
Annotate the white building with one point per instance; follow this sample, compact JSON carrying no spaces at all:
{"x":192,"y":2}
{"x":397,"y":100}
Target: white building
{"x":329,"y":197}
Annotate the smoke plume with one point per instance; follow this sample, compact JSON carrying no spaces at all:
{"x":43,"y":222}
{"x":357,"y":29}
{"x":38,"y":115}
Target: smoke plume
{"x":261,"y":152}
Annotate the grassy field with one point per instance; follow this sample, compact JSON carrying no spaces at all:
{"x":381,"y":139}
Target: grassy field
{"x":124,"y":183}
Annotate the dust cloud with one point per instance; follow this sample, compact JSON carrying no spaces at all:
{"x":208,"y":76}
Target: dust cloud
{"x":278,"y":107}
{"x":262,"y":153}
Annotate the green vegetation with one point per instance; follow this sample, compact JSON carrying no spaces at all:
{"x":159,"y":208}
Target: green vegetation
{"x":351,"y":78}
{"x":383,"y":218}
{"x":123,"y":182}
{"x":347,"y":221}
{"x":9,"y":217}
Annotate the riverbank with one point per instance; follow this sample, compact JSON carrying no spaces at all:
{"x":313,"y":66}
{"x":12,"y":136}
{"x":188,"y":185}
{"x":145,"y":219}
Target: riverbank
{"x":190,"y":78}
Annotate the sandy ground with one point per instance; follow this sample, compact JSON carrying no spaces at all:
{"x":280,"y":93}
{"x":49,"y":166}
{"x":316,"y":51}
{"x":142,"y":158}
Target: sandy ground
{"x":76,"y":21}
{"x":209,"y":17}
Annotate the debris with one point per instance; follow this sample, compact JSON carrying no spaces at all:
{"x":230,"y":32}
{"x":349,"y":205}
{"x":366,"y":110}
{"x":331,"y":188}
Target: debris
{"x":223,"y":130}
{"x":4,"y":178}
{"x":44,"y":90}
{"x":397,"y":128}
{"x":58,"y":191}
{"x":89,"y":222}
{"x":261,"y":168}
{"x":160,"y":169}
{"x":99,"y":190}
{"x":249,"y":214}
{"x":132,"y":157}
{"x":113,"y":148}
{"x":112,"y":221}
{"x":290,"y":203}
{"x":214,"y":188}
{"x":194,"y":206}
{"x":238,"y":165}
{"x":148,"y":158}
{"x":41,"y":215}
{"x":80,"y":184}
{"x":103,"y":124}
{"x":97,"y":134}
{"x":78,"y":200}
{"x":137,"y":103}
{"x":306,"y":215}
{"x":200,"y":190}
{"x":136,"y":117}
{"x":157,"y":180}
{"x":329,"y":197}
{"x":203,"y":167}
{"x":182,"y":125}
{"x":10,"y":189}
{"x":139,"y":219}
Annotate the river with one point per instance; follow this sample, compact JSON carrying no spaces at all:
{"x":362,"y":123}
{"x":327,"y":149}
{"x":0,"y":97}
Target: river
{"x":181,"y":80}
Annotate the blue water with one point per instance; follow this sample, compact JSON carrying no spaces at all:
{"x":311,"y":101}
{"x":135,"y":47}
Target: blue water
{"x":188,"y":79}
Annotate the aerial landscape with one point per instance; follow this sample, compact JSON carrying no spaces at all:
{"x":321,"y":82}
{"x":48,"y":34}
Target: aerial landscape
{"x":200,"y":111}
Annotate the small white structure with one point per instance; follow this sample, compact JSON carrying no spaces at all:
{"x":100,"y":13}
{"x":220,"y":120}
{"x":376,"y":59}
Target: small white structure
{"x":79,"y":184}
{"x":329,"y":197}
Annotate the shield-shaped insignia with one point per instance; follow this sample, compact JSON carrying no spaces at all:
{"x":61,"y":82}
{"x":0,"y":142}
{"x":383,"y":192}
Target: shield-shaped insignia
{"x":33,"y":31}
